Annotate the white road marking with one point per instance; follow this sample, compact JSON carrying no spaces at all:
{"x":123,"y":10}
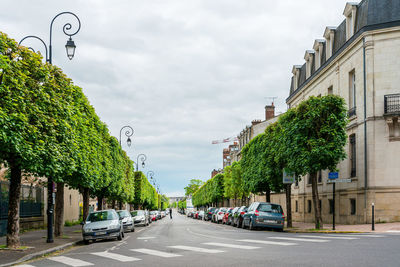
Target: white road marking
{"x":197,"y":249}
{"x":230,"y":245}
{"x":145,"y":237}
{"x":330,"y":237}
{"x":267,"y":242}
{"x":25,"y":265}
{"x":70,"y":261}
{"x":393,"y":231}
{"x":299,"y":239}
{"x":156,"y":253}
{"x":115,"y":256}
{"x":360,"y":235}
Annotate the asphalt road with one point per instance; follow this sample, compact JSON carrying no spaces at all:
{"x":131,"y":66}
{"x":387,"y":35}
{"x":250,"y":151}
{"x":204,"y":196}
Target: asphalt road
{"x":186,"y":242}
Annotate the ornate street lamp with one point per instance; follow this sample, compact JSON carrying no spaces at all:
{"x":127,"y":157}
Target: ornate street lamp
{"x":150,"y":174}
{"x":70,"y":46}
{"x":142,"y":158}
{"x":128,"y":133}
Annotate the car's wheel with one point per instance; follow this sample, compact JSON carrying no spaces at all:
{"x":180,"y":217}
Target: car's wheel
{"x":133,"y":229}
{"x":86,"y":242}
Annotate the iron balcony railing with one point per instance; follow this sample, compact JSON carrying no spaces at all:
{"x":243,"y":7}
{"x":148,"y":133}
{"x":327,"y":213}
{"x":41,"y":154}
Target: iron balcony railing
{"x":392,"y":104}
{"x":351,"y":112}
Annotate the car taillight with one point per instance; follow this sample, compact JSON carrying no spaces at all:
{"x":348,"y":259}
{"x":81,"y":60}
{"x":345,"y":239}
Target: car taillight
{"x":283,"y":215}
{"x":242,"y":213}
{"x":256,"y":213}
{"x":209,"y":213}
{"x":219,"y":213}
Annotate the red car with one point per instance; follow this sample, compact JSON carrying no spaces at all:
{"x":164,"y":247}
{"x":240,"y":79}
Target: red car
{"x":226,"y":216}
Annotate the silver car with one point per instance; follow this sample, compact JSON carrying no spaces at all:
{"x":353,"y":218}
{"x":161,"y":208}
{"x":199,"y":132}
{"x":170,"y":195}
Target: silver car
{"x":127,"y":220}
{"x":140,"y":217}
{"x":103,"y":224}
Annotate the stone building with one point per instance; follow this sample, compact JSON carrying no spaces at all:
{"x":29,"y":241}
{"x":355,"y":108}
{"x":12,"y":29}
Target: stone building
{"x":359,"y":61}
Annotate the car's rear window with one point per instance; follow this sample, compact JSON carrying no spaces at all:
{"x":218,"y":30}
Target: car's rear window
{"x":101,"y":216}
{"x":137,"y":212}
{"x":123,"y":213}
{"x":269,"y":208}
{"x":223,"y":210}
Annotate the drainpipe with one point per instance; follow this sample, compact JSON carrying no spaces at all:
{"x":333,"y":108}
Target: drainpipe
{"x":365,"y":134}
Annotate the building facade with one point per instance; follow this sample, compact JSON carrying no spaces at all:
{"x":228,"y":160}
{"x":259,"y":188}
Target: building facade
{"x":359,"y":61}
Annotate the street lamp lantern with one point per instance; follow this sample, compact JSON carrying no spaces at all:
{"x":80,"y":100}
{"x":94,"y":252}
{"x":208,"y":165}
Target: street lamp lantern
{"x":70,"y":47}
{"x":143,"y":164}
{"x":129,"y":142}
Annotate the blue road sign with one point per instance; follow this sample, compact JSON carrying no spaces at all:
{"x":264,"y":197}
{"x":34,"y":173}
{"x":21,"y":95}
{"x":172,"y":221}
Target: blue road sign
{"x":333,"y":175}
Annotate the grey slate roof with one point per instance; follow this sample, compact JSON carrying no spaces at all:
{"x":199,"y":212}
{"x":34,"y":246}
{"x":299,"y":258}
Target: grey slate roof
{"x":371,"y":14}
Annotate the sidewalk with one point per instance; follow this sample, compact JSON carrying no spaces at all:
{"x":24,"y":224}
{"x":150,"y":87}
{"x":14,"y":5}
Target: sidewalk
{"x":37,"y":240}
{"x":365,"y":228}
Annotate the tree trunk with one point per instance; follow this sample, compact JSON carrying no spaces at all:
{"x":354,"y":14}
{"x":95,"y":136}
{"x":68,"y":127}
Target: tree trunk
{"x":13,"y":207}
{"x":113,"y":204}
{"x":288,"y":205}
{"x":99,"y":202}
{"x":268,"y":194}
{"x":85,"y":203}
{"x":120,"y":205}
{"x":315,"y":197}
{"x":59,"y":214}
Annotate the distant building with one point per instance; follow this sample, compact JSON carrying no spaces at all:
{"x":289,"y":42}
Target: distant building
{"x":175,"y":199}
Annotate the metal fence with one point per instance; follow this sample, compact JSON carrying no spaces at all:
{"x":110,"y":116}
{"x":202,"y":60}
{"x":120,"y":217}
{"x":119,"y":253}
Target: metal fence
{"x":31,"y":203}
{"x":392,"y":104}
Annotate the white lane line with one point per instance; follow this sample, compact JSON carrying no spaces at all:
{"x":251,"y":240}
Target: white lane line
{"x":230,"y":245}
{"x":115,"y":256}
{"x":330,"y":237}
{"x":267,"y":242}
{"x":197,"y":249}
{"x":393,"y":231}
{"x":70,"y":261}
{"x":360,"y":235}
{"x":146,"y":237}
{"x":299,"y":239}
{"x":156,"y":253}
{"x":26,"y":265}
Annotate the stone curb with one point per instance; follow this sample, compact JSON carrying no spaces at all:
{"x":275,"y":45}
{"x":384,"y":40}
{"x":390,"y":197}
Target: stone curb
{"x":40,"y":253}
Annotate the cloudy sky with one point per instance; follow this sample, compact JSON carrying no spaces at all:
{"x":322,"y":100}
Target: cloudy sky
{"x":180,"y":72}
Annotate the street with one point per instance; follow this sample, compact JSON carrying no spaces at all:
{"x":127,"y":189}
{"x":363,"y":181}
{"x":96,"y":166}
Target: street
{"x":184,"y":241}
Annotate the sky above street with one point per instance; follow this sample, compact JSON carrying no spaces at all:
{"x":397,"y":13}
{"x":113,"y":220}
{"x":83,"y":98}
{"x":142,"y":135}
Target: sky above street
{"x":181,"y":73}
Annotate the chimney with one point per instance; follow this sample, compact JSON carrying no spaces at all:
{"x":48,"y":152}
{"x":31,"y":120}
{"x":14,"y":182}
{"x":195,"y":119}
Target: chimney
{"x":269,"y":111}
{"x":255,"y":122}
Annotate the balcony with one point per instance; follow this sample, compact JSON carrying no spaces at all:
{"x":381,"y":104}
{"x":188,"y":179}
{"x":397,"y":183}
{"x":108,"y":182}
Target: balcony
{"x":392,"y":104}
{"x":392,"y":115}
{"x":351,"y":112}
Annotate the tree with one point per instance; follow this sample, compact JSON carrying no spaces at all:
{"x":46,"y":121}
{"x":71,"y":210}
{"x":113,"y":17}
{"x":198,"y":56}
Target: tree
{"x":192,"y":187}
{"x":315,"y":136}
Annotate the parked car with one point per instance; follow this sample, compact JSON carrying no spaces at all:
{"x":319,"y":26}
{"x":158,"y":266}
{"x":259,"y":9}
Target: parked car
{"x":220,"y":215}
{"x":190,"y":213}
{"x":264,"y":214}
{"x":208,"y":213}
{"x":226,"y":215}
{"x":158,"y":215}
{"x":127,"y":220}
{"x":195,"y":215}
{"x":153,"y":215}
{"x":103,"y":224}
{"x":140,"y":217}
{"x":162,"y":214}
{"x":238,"y":216}
{"x":148,"y":216}
{"x":214,"y":215}
{"x":231,"y":214}
{"x":200,"y":216}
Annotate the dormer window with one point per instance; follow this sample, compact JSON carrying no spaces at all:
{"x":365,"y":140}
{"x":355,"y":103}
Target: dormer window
{"x":350,"y":13}
{"x":309,"y":57}
{"x":329,"y":36}
{"x":296,"y":75}
{"x":318,"y":47}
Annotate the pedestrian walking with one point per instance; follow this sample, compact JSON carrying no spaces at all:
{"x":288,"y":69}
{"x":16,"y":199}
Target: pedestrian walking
{"x":170,"y":213}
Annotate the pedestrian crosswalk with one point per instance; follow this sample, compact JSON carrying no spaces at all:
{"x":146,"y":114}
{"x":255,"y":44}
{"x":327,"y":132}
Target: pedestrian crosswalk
{"x":138,"y":254}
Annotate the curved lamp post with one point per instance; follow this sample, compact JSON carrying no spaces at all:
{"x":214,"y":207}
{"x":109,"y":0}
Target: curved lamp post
{"x":142,"y":158}
{"x":128,"y":133}
{"x":151,"y":174}
{"x":70,"y":48}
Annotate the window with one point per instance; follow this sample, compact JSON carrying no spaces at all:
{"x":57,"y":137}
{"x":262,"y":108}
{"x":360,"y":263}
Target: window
{"x":350,"y":13}
{"x":297,"y":206}
{"x":352,"y":206}
{"x":319,"y":176}
{"x":330,"y":206}
{"x":70,"y":200}
{"x":353,"y":163}
{"x":330,"y":90}
{"x":309,"y":206}
{"x":329,"y":36}
{"x":320,"y":204}
{"x":352,"y":89}
{"x":296,"y":182}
